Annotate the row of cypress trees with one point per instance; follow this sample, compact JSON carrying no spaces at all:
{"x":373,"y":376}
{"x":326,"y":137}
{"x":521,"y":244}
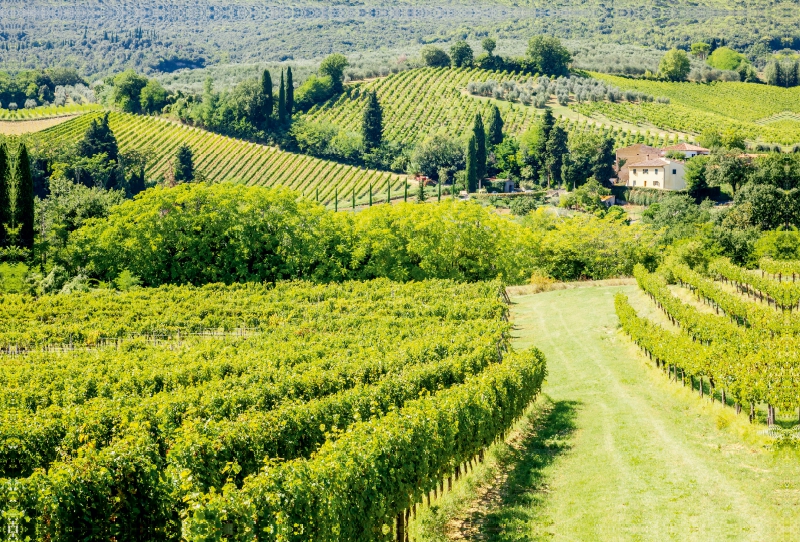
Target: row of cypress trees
{"x":285,"y":105}
{"x":18,"y":217}
{"x":477,"y":153}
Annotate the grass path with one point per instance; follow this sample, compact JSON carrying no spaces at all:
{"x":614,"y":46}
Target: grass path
{"x":617,"y":452}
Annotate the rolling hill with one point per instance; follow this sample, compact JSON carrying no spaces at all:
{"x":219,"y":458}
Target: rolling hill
{"x":221,"y":158}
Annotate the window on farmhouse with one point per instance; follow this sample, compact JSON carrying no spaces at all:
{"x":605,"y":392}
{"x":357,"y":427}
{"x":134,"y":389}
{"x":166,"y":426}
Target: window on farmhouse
{"x":674,"y":171}
{"x":645,"y":171}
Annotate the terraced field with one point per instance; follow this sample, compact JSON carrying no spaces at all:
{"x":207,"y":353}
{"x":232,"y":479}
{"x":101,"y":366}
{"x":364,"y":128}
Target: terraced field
{"x":221,"y":158}
{"x":417,"y":103}
{"x":761,"y":113}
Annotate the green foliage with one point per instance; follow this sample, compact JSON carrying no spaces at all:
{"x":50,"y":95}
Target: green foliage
{"x":590,"y":156}
{"x":695,"y":174}
{"x":728,"y":168}
{"x":710,"y":139}
{"x":678,"y":214}
{"x":451,"y":426}
{"x":372,"y":123}
{"x":68,"y":207}
{"x":461,"y":54}
{"x":436,"y":153}
{"x":555,"y":153}
{"x":587,"y":197}
{"x":154,"y":142}
{"x":282,"y":102}
{"x":99,"y":139}
{"x":522,"y":205}
{"x":585,"y":246}
{"x":314,"y":90}
{"x":24,"y":220}
{"x":471,"y":164}
{"x":289,"y":92}
{"x":5,"y":194}
{"x":782,"y":73}
{"x":701,"y":50}
{"x":725,"y":58}
{"x":127,"y":89}
{"x":264,"y":117}
{"x":333,"y":66}
{"x":779,"y":245}
{"x":184,"y":165}
{"x":495,"y":133}
{"x":148,"y":446}
{"x":194,"y":233}
{"x":434,"y":57}
{"x":488,"y":45}
{"x":480,"y":146}
{"x":153,"y":97}
{"x":674,"y":65}
{"x":547,"y":56}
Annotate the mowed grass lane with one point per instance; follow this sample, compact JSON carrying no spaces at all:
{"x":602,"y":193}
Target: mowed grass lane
{"x":640,"y":458}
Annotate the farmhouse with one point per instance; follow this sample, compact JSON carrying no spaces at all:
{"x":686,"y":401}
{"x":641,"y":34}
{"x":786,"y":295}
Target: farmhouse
{"x":662,"y":173}
{"x":644,"y":166}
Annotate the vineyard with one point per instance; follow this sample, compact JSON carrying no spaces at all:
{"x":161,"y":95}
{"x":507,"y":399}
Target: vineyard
{"x":47,"y":111}
{"x":221,"y":158}
{"x":420,"y":102}
{"x":761,"y":113}
{"x":293,"y":412}
{"x":737,"y":340}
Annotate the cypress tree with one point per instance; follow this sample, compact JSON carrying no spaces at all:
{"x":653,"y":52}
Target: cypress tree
{"x":540,"y":147}
{"x":24,"y":218}
{"x":421,"y":192}
{"x":184,"y":165}
{"x":289,"y":93}
{"x":5,"y":194}
{"x":472,"y":164}
{"x":282,"y":102}
{"x":495,"y":134}
{"x":556,"y":149}
{"x":136,"y":183}
{"x":97,"y":139}
{"x":266,"y":91}
{"x":372,"y":122}
{"x":480,"y":141}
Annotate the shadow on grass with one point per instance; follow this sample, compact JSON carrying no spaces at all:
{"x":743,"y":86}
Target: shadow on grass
{"x":516,"y":510}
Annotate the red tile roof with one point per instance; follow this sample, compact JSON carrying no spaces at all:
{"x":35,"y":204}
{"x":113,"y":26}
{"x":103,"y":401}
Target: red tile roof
{"x":655,"y":162}
{"x":686,"y":147}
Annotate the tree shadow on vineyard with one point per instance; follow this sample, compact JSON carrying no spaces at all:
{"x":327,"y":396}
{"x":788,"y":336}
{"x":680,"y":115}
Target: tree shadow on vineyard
{"x":518,"y":499}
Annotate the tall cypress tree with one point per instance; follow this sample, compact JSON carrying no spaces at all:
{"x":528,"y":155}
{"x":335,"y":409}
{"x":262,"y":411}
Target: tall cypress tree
{"x":539,"y":150}
{"x":372,"y":122}
{"x":556,"y":150}
{"x":495,"y":134}
{"x":282,"y":102}
{"x":24,"y":208}
{"x":184,"y":165}
{"x":5,"y":194}
{"x":266,"y":91}
{"x":480,"y":141}
{"x":289,"y":93}
{"x":472,"y":164}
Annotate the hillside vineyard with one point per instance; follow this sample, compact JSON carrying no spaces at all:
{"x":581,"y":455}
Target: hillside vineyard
{"x":133,"y":426}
